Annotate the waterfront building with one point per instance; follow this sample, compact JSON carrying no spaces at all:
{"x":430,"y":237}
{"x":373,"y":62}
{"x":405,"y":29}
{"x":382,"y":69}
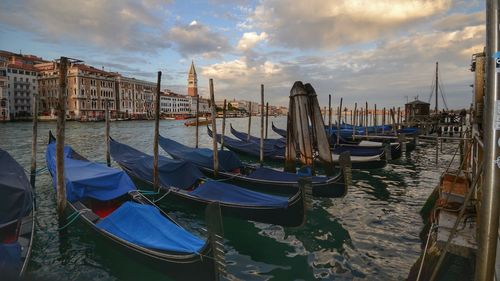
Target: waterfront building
{"x":135,"y":97}
{"x":4,"y":100}
{"x":88,"y":90}
{"x":173,"y":104}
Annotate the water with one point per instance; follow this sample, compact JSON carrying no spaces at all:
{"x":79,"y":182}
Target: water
{"x":371,"y":234}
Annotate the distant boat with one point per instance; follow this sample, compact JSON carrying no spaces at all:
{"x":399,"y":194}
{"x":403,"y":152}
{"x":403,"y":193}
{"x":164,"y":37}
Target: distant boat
{"x":17,"y":212}
{"x":201,"y":121}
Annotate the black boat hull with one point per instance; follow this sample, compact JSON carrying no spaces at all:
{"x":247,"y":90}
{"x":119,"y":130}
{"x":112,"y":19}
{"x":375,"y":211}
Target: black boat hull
{"x":291,"y":216}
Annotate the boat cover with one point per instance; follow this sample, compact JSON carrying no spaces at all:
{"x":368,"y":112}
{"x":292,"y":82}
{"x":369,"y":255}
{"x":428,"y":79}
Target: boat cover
{"x":228,"y":193}
{"x":410,"y":131}
{"x":10,"y":259}
{"x":268,"y":143}
{"x":85,"y":179}
{"x":273,"y":175}
{"x":178,"y":173}
{"x":16,"y":197}
{"x":145,"y":226}
{"x":228,"y":161}
{"x":250,"y":148}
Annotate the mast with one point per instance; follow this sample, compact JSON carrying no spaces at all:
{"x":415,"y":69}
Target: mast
{"x":437,"y":65}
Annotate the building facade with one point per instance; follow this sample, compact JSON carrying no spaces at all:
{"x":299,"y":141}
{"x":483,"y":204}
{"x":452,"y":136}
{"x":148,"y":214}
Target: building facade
{"x":172,"y":104}
{"x":4,"y":99}
{"x":135,"y":97}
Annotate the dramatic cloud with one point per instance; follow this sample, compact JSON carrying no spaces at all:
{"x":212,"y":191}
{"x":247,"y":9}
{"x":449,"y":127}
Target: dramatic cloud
{"x":316,"y":23}
{"x":196,"y":38}
{"x":112,"y":24}
{"x":250,"y":39}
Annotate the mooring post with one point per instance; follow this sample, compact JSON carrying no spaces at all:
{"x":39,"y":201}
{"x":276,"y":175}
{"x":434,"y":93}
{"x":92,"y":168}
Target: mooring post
{"x":156,"y":178}
{"x":197,"y":121}
{"x":355,"y":124}
{"x":267,"y":117}
{"x":34,"y":137}
{"x":223,"y":126}
{"x":437,"y":149}
{"x":106,"y":134}
{"x":383,"y":120}
{"x":375,"y":118}
{"x":305,"y":185}
{"x":61,"y":122}
{"x":366,"y":123}
{"x":261,"y":125}
{"x":249,"y":119}
{"x":489,"y":212}
{"x":339,"y":114}
{"x":399,"y":118}
{"x":214,"y":127}
{"x":330,"y":113}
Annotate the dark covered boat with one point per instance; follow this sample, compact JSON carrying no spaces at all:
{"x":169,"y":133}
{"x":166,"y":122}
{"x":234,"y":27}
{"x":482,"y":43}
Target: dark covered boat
{"x":107,"y":200}
{"x":184,"y":181}
{"x":276,"y":153}
{"x":17,"y":223}
{"x":261,"y":178}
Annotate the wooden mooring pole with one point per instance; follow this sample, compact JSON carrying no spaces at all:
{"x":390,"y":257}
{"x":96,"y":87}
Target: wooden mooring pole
{"x":339,"y":120}
{"x":267,"y":117}
{"x":223,"y":125}
{"x":61,"y":122}
{"x":330,"y":112}
{"x":34,"y":137}
{"x":156,"y":178}
{"x":214,"y":127}
{"x":197,"y":121}
{"x":249,"y":119}
{"x":261,"y":125}
{"x":106,"y":134}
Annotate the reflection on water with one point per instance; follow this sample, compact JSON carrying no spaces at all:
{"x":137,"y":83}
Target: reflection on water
{"x":370,"y":234}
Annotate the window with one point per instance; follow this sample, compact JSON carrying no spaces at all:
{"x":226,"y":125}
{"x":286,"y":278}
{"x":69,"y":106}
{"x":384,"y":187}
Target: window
{"x":8,"y":70}
{"x":21,"y":72}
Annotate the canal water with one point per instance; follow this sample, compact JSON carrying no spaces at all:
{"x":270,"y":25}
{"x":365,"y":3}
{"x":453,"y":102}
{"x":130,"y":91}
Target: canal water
{"x":370,"y":234}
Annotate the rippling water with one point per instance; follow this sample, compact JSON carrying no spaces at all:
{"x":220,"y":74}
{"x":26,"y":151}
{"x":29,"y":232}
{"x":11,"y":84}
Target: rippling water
{"x":371,"y":234}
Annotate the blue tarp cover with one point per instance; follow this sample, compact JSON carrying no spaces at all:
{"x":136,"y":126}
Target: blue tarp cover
{"x":268,"y":143}
{"x":143,"y":225}
{"x":228,"y":161}
{"x":273,"y":175}
{"x":10,"y":259}
{"x":16,"y":199}
{"x":85,"y":179}
{"x":177,"y":173}
{"x":223,"y":192}
{"x":250,"y":148}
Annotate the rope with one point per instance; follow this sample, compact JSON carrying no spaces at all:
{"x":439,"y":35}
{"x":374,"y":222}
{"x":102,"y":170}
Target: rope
{"x":425,"y":250}
{"x":72,"y":218}
{"x":163,"y":196}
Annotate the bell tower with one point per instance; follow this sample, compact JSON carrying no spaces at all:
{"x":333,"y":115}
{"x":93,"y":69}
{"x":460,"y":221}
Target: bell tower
{"x":192,"y":81}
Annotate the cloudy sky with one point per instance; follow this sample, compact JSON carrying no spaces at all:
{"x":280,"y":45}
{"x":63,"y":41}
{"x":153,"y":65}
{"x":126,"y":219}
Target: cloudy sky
{"x":380,"y":51}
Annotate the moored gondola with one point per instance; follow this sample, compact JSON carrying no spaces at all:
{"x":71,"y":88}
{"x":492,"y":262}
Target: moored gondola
{"x":277,"y":153}
{"x":108,"y":202}
{"x":231,"y":169}
{"x":192,"y":188}
{"x":17,"y":218}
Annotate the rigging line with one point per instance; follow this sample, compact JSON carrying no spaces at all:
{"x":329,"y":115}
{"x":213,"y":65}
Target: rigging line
{"x":441,"y":88}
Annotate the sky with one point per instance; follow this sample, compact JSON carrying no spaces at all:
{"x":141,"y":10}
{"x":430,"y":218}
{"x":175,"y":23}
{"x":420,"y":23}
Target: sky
{"x":380,"y":51}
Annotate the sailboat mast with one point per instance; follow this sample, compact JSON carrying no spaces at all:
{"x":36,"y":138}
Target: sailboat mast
{"x":437,"y":81}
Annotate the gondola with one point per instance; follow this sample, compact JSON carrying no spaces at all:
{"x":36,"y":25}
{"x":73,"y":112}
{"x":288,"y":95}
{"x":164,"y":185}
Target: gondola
{"x":107,"y":201}
{"x":231,"y":169}
{"x":277,"y":153}
{"x":184,"y":181}
{"x":17,"y":218}
{"x":359,"y":149}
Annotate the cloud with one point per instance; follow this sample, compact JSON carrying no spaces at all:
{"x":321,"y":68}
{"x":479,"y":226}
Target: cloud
{"x":328,"y":25}
{"x":459,"y":21}
{"x":197,"y":38}
{"x":250,"y":39}
{"x":113,"y":24}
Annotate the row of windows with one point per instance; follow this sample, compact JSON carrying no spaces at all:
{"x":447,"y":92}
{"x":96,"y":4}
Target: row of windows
{"x":32,"y":73}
